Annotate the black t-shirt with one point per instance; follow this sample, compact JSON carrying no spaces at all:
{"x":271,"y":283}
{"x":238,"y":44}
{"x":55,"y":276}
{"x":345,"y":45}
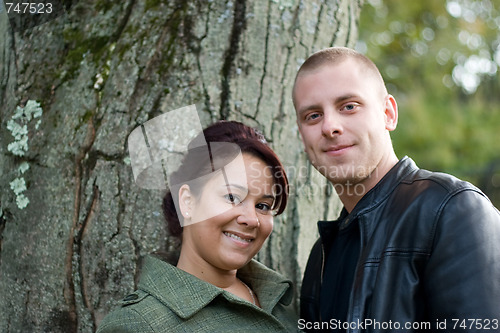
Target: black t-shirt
{"x":342,"y":246}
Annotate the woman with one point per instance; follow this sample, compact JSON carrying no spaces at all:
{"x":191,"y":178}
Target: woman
{"x":222,"y":202}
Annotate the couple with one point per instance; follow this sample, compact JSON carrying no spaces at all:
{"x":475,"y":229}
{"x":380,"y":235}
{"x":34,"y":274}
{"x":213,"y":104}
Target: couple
{"x":411,"y":249}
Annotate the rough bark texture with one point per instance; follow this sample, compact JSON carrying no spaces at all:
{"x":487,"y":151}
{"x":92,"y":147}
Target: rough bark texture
{"x":100,"y":70}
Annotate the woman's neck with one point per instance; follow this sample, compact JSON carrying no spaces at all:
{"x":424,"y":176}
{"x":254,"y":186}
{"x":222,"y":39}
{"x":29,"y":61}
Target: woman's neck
{"x":202,"y":270}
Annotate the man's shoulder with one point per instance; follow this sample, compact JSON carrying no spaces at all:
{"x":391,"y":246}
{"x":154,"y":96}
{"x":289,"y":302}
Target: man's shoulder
{"x":439,"y":193}
{"x":439,"y":182}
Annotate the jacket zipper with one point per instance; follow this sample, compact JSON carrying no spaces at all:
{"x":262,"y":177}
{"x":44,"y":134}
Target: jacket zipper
{"x":322,"y":263}
{"x":322,"y":271}
{"x":350,"y":309}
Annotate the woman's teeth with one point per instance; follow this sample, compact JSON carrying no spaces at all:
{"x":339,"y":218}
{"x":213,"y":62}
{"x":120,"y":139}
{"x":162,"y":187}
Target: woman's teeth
{"x":237,"y":237}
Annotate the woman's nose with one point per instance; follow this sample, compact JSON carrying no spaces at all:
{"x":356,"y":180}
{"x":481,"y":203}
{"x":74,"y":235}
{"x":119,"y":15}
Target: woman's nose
{"x":248,"y":215}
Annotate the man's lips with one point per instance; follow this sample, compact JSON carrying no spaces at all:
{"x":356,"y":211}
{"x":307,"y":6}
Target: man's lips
{"x":337,"y":149}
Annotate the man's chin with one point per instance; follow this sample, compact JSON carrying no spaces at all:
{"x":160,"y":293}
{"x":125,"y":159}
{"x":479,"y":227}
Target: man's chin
{"x":349,"y":187}
{"x":339,"y":172}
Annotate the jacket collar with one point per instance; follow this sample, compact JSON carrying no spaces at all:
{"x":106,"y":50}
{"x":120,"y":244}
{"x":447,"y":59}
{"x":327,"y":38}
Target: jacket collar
{"x":385,"y":186}
{"x":270,"y":286}
{"x":370,"y":200}
{"x":185,"y":294}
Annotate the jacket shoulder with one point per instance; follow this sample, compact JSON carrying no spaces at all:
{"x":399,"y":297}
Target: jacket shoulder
{"x":124,"y":320}
{"x":138,"y":312}
{"x":438,"y":180}
{"x":437,"y":189}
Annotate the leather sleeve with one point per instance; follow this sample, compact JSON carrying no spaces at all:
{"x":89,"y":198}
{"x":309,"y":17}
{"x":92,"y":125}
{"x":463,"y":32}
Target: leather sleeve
{"x":462,"y":278}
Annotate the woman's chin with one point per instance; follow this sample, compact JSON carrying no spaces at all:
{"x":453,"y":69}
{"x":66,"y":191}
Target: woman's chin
{"x":235,"y":262}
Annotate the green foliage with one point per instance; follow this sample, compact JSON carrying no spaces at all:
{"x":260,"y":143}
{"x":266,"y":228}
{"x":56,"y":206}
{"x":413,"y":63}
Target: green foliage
{"x":151,"y":4}
{"x":421,"y":40}
{"x":441,"y":61}
{"x":447,"y":135}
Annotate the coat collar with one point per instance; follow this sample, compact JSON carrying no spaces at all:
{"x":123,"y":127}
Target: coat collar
{"x":185,"y":294}
{"x":385,"y":186}
{"x":269,"y":286}
{"x":373,"y":198}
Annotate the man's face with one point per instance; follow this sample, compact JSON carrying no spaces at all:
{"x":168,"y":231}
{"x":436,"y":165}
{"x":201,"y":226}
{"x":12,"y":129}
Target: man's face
{"x":343,"y":118}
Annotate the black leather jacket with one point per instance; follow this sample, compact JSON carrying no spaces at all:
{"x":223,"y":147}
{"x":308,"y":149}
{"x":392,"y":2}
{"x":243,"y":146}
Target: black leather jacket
{"x":430,"y":255}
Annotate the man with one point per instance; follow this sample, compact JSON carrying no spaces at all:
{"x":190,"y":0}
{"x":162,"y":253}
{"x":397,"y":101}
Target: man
{"x":411,"y":249}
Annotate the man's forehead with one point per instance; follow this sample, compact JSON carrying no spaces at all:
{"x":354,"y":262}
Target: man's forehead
{"x":340,"y":63}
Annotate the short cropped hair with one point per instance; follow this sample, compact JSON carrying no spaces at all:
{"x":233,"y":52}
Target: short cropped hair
{"x":336,"y":55}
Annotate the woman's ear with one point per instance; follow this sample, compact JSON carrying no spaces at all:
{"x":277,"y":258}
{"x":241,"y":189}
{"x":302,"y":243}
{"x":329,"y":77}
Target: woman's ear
{"x":185,"y":201}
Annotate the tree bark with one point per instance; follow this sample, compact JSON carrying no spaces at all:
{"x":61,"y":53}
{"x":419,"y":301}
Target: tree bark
{"x":101,"y":69}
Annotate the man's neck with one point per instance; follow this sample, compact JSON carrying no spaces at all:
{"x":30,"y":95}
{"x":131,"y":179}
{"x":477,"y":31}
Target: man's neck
{"x":351,"y":198}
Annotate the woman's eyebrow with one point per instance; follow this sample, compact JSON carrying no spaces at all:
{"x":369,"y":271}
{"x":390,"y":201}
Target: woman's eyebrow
{"x":243,"y":188}
{"x":268,"y":196}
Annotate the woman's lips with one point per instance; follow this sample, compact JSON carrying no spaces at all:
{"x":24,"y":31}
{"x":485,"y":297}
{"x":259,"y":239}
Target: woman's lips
{"x":238,"y":238}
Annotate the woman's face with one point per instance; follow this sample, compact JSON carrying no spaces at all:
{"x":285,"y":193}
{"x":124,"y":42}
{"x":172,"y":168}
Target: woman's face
{"x":231,"y":218}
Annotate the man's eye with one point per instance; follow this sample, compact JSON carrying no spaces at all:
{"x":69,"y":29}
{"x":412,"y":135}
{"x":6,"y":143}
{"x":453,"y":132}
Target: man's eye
{"x":350,"y":107}
{"x":312,"y":116}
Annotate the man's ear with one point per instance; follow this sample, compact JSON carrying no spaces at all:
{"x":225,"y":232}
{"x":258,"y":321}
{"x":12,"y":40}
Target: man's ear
{"x":186,"y":201}
{"x":391,"y":113}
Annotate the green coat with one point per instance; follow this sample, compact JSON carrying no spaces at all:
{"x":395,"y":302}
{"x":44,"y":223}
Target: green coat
{"x":171,"y":300}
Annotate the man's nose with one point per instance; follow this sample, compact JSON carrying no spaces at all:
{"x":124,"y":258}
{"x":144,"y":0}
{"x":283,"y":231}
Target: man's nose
{"x":331,"y":125}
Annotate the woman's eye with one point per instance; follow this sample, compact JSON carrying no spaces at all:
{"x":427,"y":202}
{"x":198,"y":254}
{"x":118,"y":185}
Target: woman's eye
{"x":263,"y":208}
{"x":232,"y":198}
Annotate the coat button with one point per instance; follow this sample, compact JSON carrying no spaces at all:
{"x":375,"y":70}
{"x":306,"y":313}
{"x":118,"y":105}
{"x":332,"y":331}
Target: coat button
{"x":131,"y":297}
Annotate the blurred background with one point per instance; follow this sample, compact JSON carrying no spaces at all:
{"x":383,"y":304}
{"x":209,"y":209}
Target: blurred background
{"x":441,"y":61}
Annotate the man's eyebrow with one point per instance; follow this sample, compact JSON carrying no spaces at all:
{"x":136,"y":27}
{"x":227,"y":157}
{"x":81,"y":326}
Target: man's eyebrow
{"x":307,"y":108}
{"x":345,"y":97}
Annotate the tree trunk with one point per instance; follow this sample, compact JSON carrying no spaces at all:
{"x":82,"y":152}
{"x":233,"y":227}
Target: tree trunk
{"x":99,"y":70}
